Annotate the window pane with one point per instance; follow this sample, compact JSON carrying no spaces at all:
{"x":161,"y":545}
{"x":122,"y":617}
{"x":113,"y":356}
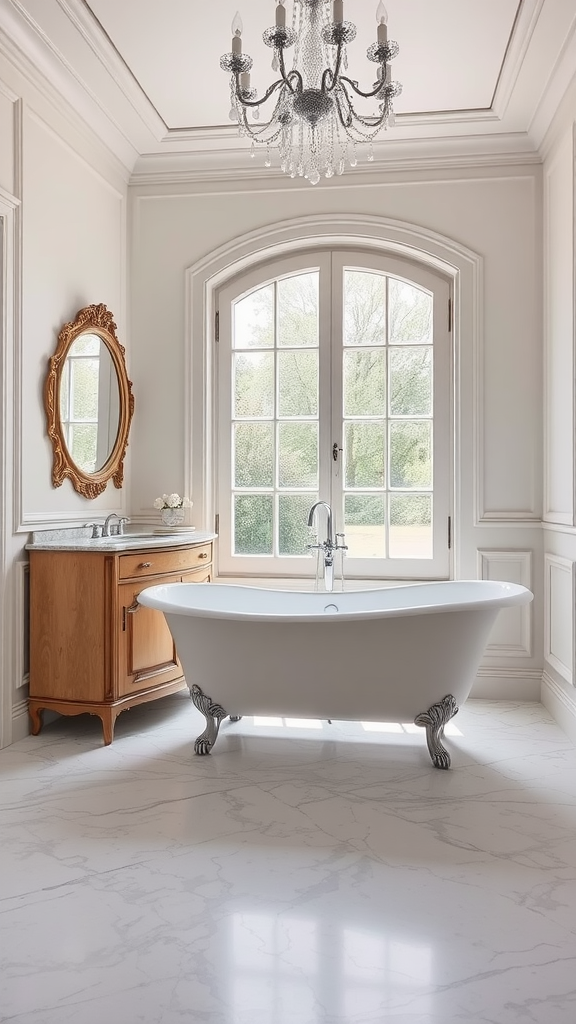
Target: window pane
{"x":364,"y":308}
{"x":253,"y":455}
{"x":298,"y":310}
{"x":253,"y":524}
{"x":411,"y":381}
{"x":364,"y":458}
{"x":84,"y":384}
{"x":298,"y":455}
{"x":297,"y":383}
{"x":85,"y":345}
{"x":411,"y":454}
{"x":364,"y":525}
{"x":65,"y":391}
{"x":253,"y":318}
{"x":293,"y":512}
{"x":364,"y":383}
{"x":411,"y":526}
{"x":254,"y":384}
{"x":409,"y":314}
{"x":82,"y":439}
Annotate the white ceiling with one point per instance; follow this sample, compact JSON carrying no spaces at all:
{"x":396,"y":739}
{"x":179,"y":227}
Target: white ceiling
{"x":481,"y":78}
{"x":451,"y":52}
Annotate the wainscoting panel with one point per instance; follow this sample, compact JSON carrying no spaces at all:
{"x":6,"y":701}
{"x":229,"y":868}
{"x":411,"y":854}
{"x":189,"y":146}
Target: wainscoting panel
{"x":22,"y":623}
{"x":559,"y":577}
{"x":511,"y":636}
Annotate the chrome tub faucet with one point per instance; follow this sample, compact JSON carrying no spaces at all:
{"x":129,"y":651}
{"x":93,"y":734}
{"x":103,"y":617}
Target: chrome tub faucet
{"x":331,"y":544}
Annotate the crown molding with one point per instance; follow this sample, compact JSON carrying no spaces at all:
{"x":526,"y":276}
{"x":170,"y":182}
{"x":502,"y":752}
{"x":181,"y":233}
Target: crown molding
{"x":33,"y":55}
{"x":408,"y":157}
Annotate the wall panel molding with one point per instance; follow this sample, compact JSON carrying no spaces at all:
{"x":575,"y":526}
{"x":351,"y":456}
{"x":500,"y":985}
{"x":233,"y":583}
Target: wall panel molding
{"x":9,"y":343}
{"x":559,"y":516}
{"x":559,"y":593}
{"x":21,"y":622}
{"x":512,"y":633}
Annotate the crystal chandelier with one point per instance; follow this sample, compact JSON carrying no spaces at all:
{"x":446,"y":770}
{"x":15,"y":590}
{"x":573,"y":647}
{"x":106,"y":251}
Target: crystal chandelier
{"x":313,"y":121}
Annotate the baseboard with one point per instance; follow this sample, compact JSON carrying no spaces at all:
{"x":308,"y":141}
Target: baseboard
{"x":507,"y":684}
{"x":560,"y":704}
{"x":20,"y":721}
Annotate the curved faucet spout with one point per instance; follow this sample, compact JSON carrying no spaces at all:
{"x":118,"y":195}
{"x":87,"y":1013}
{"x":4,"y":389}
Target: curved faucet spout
{"x":324,"y":504}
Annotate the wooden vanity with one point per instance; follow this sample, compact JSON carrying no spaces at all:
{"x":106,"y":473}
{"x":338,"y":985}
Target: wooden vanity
{"x":93,"y":648}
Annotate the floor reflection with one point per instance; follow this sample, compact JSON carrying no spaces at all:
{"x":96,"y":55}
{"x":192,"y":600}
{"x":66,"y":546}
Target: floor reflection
{"x":289,"y":963}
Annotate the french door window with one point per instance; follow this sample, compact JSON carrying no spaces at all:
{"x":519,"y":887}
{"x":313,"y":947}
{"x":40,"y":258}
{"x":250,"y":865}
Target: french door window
{"x":334,"y":384}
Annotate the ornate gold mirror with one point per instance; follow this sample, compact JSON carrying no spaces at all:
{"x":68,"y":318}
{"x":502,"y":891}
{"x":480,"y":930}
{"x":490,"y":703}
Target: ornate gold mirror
{"x":89,"y":403}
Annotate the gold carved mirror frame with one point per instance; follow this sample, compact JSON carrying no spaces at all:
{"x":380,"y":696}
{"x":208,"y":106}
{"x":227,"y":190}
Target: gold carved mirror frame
{"x":91,"y":320}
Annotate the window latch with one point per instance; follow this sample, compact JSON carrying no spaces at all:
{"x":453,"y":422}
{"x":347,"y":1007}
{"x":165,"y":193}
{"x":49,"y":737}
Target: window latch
{"x":335,"y":450}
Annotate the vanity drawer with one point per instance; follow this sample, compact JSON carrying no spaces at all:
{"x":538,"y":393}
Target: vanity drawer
{"x":152,"y":563}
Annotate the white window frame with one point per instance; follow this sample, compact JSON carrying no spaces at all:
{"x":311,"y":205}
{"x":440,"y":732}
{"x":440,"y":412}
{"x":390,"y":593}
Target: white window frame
{"x":331,"y":264}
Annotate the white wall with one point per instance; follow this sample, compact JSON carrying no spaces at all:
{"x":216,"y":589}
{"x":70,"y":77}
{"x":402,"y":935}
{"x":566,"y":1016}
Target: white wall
{"x":496,"y":214}
{"x":63,"y":214}
{"x":558,"y":691}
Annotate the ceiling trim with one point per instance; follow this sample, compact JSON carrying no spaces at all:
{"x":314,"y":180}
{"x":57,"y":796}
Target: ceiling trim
{"x":29,"y":50}
{"x":424,"y":155}
{"x":87,"y":24}
{"x":521,"y":37}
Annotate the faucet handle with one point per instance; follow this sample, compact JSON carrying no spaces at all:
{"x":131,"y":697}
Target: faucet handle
{"x":121,"y":524}
{"x":96,"y":530}
{"x":341,"y":546}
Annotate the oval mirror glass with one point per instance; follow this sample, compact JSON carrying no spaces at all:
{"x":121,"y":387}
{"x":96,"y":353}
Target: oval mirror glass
{"x":89,"y":403}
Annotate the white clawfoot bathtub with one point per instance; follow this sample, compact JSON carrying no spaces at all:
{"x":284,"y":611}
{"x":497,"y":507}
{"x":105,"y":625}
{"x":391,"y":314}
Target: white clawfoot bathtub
{"x":407,"y":653}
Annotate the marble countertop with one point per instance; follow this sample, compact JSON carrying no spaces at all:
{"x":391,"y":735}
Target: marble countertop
{"x":80,"y":539}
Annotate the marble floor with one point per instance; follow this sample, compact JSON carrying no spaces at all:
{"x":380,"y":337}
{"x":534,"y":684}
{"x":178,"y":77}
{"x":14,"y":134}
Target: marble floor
{"x":304,"y":873}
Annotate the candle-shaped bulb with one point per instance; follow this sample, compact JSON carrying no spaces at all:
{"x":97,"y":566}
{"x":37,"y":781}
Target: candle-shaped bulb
{"x":237,"y":34}
{"x":338,"y":11}
{"x":280,"y":15}
{"x":382,"y":20}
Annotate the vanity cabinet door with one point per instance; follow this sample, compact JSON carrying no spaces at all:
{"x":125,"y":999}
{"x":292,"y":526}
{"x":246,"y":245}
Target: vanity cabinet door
{"x":146,"y":650}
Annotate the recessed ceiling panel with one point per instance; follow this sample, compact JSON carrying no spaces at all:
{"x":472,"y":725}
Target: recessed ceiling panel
{"x":451,"y":51}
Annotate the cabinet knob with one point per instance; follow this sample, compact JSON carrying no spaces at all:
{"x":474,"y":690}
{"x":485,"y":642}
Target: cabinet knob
{"x":145,"y":565}
{"x":203,"y":554}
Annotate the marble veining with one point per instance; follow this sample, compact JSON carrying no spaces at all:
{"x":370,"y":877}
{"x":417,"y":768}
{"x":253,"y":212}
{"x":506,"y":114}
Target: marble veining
{"x":306,"y":873}
{"x":80,"y":539}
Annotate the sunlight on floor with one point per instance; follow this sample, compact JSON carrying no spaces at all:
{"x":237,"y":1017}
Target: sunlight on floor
{"x":315,"y":723}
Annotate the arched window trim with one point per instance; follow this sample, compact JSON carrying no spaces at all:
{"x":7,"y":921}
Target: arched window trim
{"x":383,"y":235}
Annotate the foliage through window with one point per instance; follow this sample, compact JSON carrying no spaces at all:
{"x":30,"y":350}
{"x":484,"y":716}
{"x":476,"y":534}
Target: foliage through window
{"x":335,"y":358}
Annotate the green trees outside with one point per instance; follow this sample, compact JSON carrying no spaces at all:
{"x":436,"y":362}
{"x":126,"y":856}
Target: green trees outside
{"x":386,"y":403}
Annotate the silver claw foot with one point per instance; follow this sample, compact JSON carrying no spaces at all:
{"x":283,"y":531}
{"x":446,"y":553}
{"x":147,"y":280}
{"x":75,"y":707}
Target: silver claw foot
{"x":434,"y":721}
{"x":213,"y":713}
{"x":235,"y":718}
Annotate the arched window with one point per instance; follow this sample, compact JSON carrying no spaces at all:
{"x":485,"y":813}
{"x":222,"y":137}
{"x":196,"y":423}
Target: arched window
{"x":333,"y":383}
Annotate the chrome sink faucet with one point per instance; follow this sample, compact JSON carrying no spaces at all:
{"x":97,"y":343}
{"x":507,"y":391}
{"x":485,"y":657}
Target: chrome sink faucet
{"x":111,"y":529}
{"x":329,"y":545}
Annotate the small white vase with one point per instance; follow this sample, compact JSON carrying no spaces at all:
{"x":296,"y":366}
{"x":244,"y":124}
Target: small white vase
{"x":172,"y":516}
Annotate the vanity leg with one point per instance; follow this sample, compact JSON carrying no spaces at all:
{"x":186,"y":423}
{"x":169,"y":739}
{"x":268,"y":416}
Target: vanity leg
{"x":213,"y":713}
{"x":434,"y":721}
{"x":36,"y":718}
{"x":108,"y":718}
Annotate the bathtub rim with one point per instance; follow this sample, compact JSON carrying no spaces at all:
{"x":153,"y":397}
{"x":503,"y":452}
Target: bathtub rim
{"x":511,"y":594}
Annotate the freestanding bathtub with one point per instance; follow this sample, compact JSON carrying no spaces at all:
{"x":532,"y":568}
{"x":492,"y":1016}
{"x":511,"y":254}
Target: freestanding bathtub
{"x":406,"y":653}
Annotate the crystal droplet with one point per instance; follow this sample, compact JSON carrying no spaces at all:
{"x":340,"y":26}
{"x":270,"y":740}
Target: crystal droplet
{"x":233,"y":115}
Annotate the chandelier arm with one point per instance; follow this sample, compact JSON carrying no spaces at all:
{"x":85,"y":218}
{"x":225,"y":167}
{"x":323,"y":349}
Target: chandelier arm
{"x":345,"y":119}
{"x":332,"y":76}
{"x":256,"y":103}
{"x":366,"y":95}
{"x":288,"y":75}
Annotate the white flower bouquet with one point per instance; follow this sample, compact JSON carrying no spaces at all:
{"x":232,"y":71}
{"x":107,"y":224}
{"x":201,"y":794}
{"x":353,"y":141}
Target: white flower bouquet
{"x":172,"y":501}
{"x":172,"y":509}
